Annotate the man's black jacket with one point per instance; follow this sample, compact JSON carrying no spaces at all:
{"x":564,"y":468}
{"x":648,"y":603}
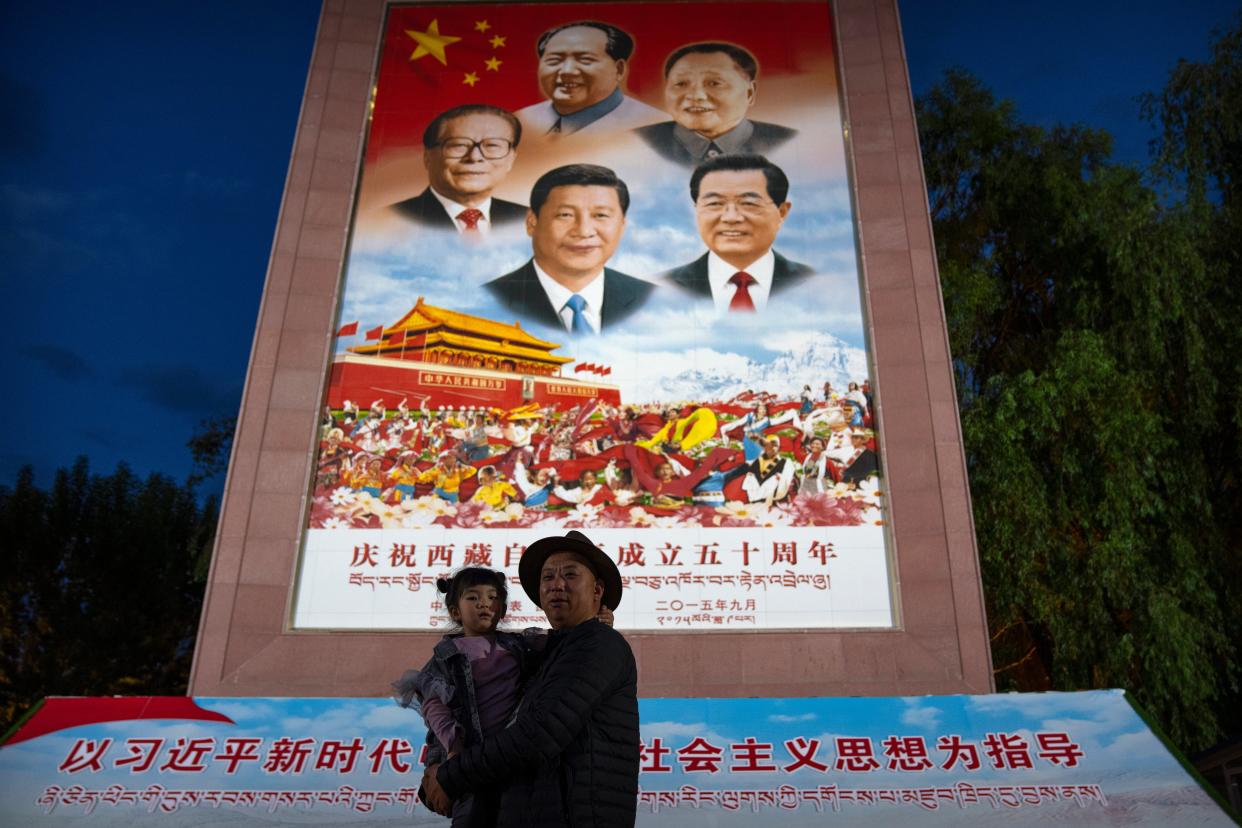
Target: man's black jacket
{"x":570,"y":755}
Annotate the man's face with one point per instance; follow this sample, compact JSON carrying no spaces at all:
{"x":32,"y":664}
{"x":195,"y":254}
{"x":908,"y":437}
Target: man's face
{"x":471,"y":176}
{"x":769,"y":450}
{"x":575,"y":70}
{"x":737,"y":218}
{"x":568,"y":591}
{"x":664,"y":472}
{"x":577,"y":231}
{"x":708,"y":93}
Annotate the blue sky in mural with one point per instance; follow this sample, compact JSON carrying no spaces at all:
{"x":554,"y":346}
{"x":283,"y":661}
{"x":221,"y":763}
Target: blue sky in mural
{"x":1107,"y":743}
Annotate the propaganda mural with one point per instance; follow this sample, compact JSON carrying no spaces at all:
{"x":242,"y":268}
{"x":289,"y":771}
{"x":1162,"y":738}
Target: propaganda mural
{"x":602,"y":276}
{"x":1026,"y":759}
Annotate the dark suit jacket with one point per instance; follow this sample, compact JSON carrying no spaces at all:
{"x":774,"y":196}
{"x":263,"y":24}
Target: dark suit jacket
{"x":521,"y":293}
{"x":866,"y":465}
{"x":660,"y":138}
{"x":426,"y":210}
{"x":693,"y":277}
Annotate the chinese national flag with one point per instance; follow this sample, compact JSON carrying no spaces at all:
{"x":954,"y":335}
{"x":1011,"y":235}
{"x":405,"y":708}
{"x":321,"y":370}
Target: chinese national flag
{"x":348,"y":330}
{"x":375,"y":333}
{"x":438,"y":57}
{"x":606,"y":371}
{"x":397,"y":338}
{"x":578,"y":368}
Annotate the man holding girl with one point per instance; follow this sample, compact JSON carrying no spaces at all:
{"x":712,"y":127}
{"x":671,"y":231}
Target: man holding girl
{"x":569,"y":753}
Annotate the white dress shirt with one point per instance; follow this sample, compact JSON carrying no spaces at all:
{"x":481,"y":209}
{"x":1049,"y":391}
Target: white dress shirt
{"x":558,"y":295}
{"x":453,"y":209}
{"x":719,"y":272}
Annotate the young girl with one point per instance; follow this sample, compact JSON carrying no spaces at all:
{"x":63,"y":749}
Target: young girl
{"x":470,"y":686}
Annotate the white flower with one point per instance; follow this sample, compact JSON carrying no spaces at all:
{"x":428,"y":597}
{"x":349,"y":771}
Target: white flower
{"x":335,"y":523}
{"x":389,"y":514}
{"x":585,"y":513}
{"x":667,"y":522}
{"x":430,"y":504}
{"x":440,"y":507}
{"x":413,"y":521}
{"x":737,"y":510}
{"x":869,"y":492}
{"x":640,"y":517}
{"x":415,"y":513}
{"x":342,"y":496}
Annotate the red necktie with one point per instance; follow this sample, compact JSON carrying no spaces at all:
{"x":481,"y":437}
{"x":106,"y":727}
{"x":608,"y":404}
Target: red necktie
{"x":470,"y":217}
{"x":741,"y":297}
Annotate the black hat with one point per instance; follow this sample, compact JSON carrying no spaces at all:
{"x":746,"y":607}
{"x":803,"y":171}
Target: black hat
{"x":606,"y":572}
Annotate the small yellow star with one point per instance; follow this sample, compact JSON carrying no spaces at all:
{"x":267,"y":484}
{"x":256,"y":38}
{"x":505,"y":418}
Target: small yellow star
{"x":497,"y":42}
{"x":470,"y":79}
{"x":482,"y":26}
{"x":431,"y":42}
{"x":493,"y":65}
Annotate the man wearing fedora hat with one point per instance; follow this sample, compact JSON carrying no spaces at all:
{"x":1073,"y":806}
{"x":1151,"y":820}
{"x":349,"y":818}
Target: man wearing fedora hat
{"x":569,"y":757}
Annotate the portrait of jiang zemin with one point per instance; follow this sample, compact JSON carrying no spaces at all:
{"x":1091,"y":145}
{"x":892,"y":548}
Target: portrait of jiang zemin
{"x":602,"y":277}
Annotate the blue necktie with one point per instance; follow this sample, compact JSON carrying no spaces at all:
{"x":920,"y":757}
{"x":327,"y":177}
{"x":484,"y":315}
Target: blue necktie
{"x":579,"y":324}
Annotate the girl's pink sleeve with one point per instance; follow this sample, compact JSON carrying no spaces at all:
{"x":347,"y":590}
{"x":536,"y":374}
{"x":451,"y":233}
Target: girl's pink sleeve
{"x":440,"y":719}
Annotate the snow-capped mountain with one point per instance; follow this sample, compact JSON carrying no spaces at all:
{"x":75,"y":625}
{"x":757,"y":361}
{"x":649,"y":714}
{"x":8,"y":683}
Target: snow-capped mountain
{"x":717,"y":375}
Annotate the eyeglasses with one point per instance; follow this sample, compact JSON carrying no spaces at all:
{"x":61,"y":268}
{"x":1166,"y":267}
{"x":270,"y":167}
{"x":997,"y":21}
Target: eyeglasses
{"x":748,"y":206}
{"x":493,"y":149}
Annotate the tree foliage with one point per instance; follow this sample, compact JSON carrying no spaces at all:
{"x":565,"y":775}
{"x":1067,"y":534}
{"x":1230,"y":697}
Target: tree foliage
{"x":210,"y":447}
{"x":1095,"y":335}
{"x":100,"y":594}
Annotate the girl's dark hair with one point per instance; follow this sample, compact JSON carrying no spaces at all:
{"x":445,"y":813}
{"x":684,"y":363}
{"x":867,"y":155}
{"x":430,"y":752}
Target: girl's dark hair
{"x":469,"y":576}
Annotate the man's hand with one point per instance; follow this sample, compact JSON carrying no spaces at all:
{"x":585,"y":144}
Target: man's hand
{"x":605,"y":615}
{"x":436,"y":799}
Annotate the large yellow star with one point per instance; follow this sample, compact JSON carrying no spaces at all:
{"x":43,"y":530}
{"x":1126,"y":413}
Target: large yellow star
{"x":431,"y":42}
{"x":497,"y":42}
{"x":493,"y":65}
{"x":470,"y":79}
{"x":482,"y":26}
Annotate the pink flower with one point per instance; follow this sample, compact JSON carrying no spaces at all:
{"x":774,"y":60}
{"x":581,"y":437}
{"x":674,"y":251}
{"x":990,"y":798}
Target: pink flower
{"x":825,"y":510}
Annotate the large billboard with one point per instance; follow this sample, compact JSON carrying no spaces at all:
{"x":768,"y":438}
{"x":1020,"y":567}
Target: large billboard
{"x":602,"y":275}
{"x":1027,"y":759}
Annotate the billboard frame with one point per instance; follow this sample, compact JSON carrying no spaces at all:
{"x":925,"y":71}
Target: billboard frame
{"x":246,"y":645}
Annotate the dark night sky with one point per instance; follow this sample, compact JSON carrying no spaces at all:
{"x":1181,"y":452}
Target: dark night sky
{"x":145,"y":149}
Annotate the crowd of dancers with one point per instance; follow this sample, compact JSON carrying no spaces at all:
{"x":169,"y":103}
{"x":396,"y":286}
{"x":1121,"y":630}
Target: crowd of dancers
{"x":753,"y":448}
